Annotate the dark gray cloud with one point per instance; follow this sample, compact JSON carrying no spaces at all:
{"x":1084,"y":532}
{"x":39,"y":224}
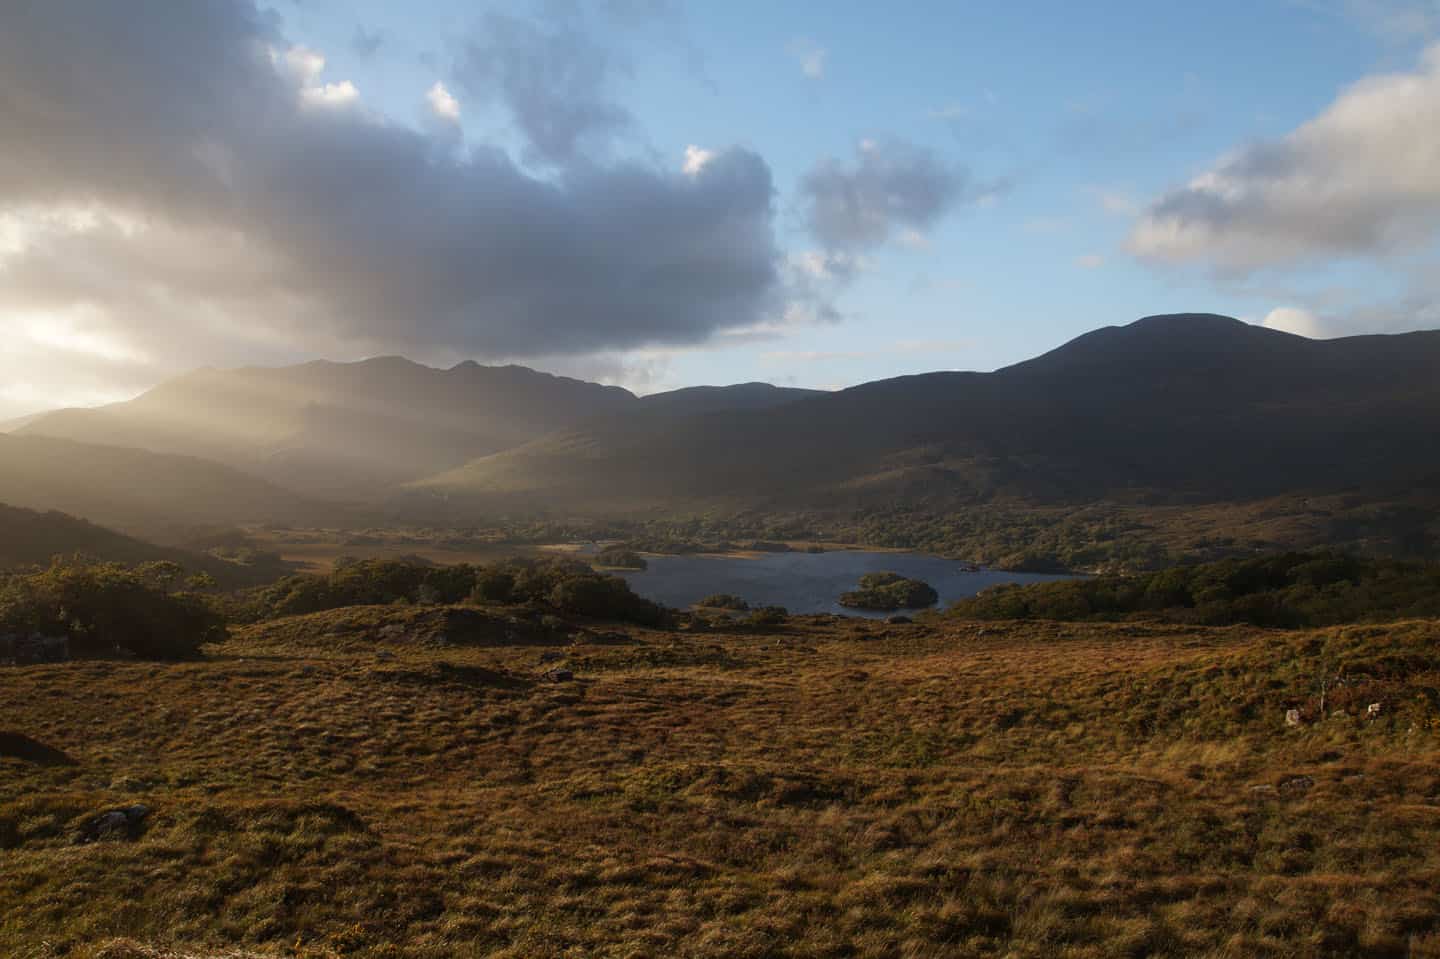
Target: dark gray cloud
{"x":553,"y":79}
{"x":890,"y":186}
{"x":184,"y":185}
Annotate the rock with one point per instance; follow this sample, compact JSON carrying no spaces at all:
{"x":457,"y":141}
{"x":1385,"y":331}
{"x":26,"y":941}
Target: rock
{"x":1372,"y":711}
{"x":34,"y":648}
{"x":1292,"y":717}
{"x":558,"y":676}
{"x":112,"y":825}
{"x":899,"y":620}
{"x":1296,"y":785}
{"x":1263,"y":788}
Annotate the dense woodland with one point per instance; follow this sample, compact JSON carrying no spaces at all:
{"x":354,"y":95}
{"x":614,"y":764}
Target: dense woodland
{"x":1288,"y":590}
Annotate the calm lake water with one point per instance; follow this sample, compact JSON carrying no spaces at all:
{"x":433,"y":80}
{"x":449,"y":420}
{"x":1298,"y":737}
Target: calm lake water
{"x":806,"y":582}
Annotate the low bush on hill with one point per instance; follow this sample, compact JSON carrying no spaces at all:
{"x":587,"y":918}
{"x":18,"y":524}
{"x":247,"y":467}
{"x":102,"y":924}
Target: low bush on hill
{"x":561,"y":584}
{"x":1284,"y":590}
{"x":768,"y":616}
{"x":724,"y":601}
{"x":888,"y":591}
{"x":617,"y":557}
{"x":105,"y":608}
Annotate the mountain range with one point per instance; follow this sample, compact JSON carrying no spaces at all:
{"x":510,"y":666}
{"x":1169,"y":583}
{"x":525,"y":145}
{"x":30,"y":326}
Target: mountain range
{"x":1178,"y":408}
{"x":1170,"y":409}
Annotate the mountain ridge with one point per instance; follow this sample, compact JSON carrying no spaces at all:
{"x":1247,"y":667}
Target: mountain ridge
{"x":1175,"y":406}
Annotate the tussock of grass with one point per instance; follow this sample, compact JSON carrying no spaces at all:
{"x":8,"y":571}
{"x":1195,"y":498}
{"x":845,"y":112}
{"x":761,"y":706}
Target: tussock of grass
{"x":1075,"y":790}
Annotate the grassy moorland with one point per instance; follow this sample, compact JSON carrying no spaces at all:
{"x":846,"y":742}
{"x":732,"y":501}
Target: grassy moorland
{"x":405,"y":781}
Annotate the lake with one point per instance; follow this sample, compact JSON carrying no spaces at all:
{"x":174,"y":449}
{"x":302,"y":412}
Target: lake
{"x":806,"y":582}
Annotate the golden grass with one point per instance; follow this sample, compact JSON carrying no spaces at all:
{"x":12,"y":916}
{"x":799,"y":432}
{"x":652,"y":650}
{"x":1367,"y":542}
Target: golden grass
{"x":322,"y":789}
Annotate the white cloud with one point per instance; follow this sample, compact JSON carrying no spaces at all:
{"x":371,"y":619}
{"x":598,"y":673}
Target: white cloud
{"x":811,"y":57}
{"x":1361,"y":179}
{"x":331,"y":94}
{"x":1297,"y":320}
{"x":443,"y":103}
{"x":1090,"y":261}
{"x":696,"y":158}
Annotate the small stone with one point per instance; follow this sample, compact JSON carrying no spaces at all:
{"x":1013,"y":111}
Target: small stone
{"x":559,"y":675}
{"x":1372,"y":711}
{"x":1297,"y":784}
{"x":1292,"y":717}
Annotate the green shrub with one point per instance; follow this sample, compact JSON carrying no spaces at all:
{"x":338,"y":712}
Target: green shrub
{"x":889,"y":591}
{"x":562,"y":584}
{"x":108,"y":607}
{"x":1287,"y":590}
{"x":768,"y":616}
{"x":617,"y":557}
{"x":724,"y":601}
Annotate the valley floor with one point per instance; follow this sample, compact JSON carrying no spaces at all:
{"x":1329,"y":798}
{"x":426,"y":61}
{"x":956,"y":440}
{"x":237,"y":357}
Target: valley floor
{"x":344,"y":784}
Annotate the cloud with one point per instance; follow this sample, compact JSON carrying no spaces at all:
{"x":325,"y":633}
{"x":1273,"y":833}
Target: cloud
{"x":1297,"y":320}
{"x":890,"y":188}
{"x":1362,"y":179}
{"x":442,"y":103}
{"x":173,"y":185}
{"x":696,"y":158}
{"x":811,"y":57}
{"x":552,"y":78}
{"x":1090,"y":261}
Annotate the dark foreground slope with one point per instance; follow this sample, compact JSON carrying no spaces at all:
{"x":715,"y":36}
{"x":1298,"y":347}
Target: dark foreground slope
{"x":1168,"y":409}
{"x":819,"y":790}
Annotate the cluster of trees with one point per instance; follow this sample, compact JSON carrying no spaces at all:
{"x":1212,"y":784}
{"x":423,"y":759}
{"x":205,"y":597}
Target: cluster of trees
{"x":724,"y":601}
{"x":618,"y":557}
{"x":151,"y":610}
{"x":1286,"y":590}
{"x":562,"y":584}
{"x":890,"y":591}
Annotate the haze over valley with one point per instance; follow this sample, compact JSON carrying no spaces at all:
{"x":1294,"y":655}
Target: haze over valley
{"x":657,"y":478}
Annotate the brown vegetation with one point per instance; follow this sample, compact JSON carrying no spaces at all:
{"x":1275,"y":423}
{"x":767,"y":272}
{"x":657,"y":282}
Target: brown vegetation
{"x":381,"y":782}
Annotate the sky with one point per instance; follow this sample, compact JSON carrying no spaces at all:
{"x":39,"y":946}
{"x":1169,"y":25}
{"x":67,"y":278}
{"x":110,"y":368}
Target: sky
{"x":660,"y":193}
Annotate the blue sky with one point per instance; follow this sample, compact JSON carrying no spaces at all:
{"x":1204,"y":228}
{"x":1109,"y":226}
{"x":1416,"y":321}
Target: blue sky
{"x":1059,"y":146}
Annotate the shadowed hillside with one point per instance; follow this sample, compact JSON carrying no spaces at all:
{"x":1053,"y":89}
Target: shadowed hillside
{"x":1180,"y":408}
{"x":341,"y":429}
{"x":152,"y":495}
{"x":354,"y":429}
{"x":31,"y":538}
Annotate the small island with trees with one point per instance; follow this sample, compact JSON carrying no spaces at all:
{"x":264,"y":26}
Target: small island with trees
{"x":890,"y":591}
{"x":620,"y":557}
